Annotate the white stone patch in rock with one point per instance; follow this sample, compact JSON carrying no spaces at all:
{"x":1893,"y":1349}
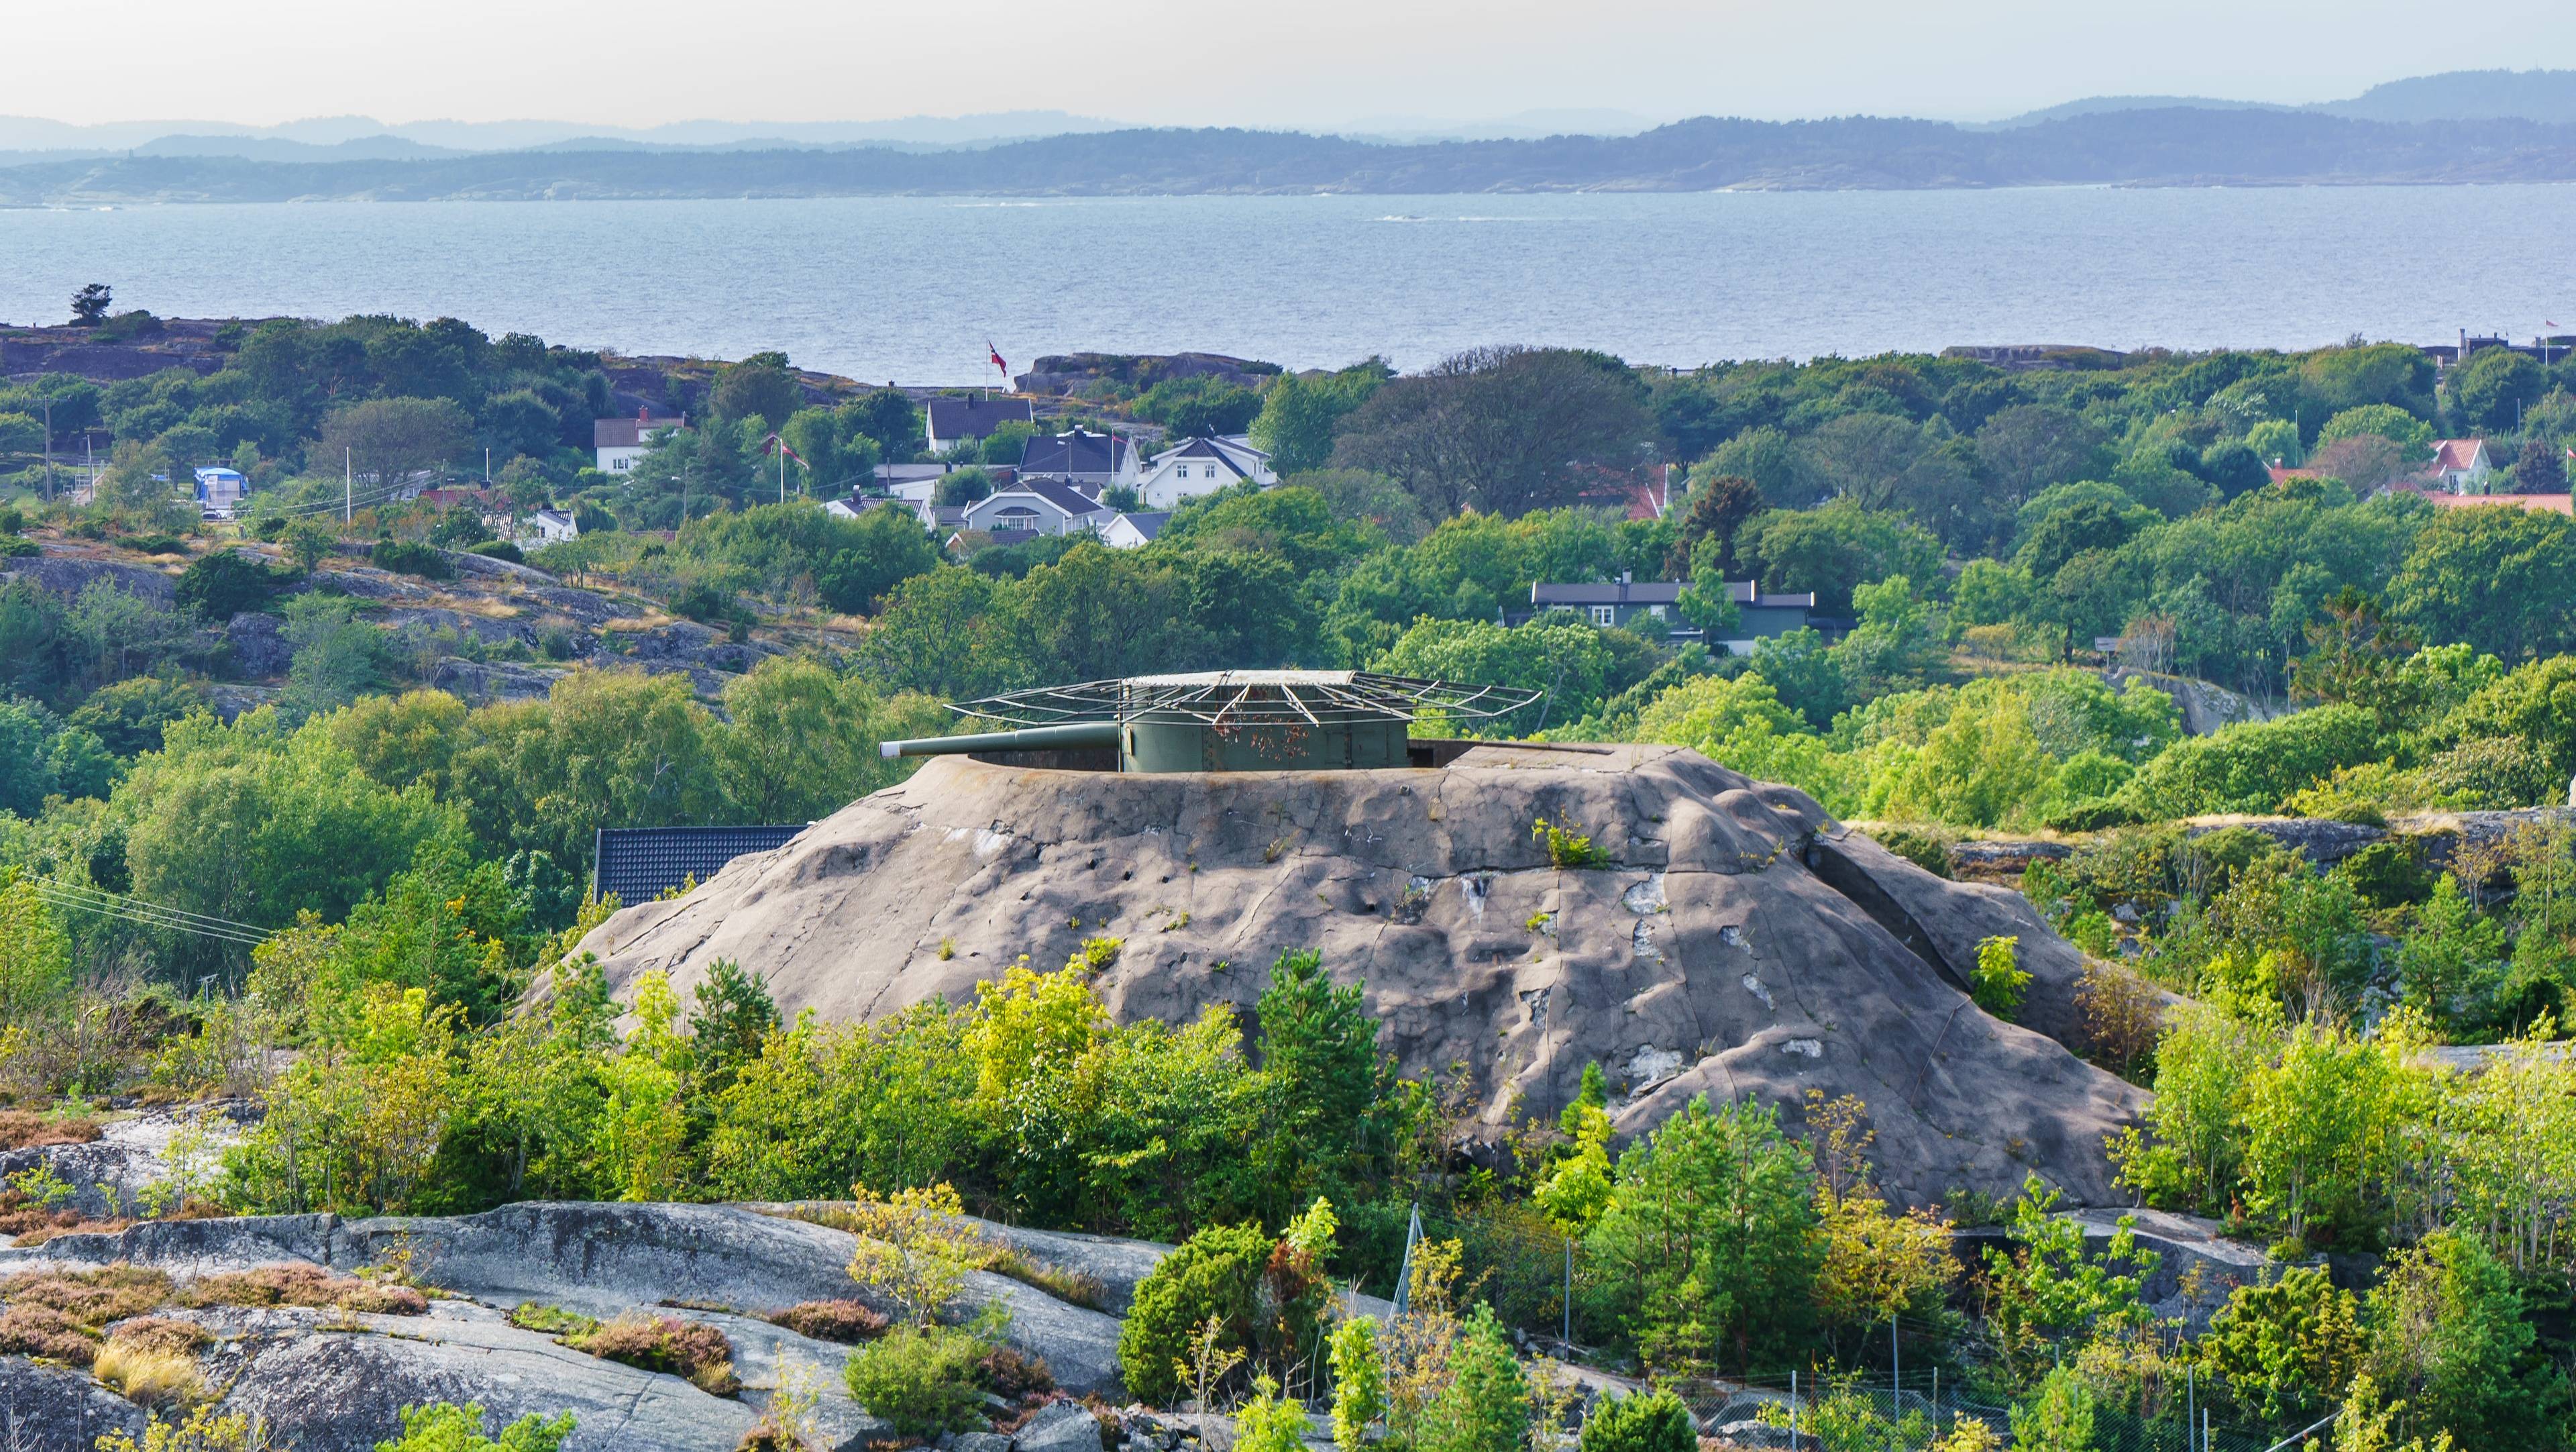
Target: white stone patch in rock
{"x":1642,"y":938}
{"x":1812,"y":1048}
{"x":1646,"y":896}
{"x":1733,"y":937}
{"x":1477,"y":886}
{"x":1755,"y":987}
{"x":990,"y":841}
{"x":958,"y":834}
{"x":1651,"y":1065}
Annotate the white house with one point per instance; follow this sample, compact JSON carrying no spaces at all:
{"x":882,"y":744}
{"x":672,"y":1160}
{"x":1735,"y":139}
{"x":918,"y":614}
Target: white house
{"x":1202,"y":466}
{"x":219,"y":491}
{"x":1094,"y":461}
{"x":622,"y":441}
{"x":554,"y":526}
{"x":1040,"y":506}
{"x":1134,"y":531}
{"x":2462,"y":465}
{"x":948,"y":422}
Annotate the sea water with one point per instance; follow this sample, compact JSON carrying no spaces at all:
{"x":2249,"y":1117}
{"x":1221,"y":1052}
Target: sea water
{"x":913,"y":288}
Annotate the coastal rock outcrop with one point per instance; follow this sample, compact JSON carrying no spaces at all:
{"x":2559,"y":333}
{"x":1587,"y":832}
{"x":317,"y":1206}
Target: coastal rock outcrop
{"x":1720,"y":935}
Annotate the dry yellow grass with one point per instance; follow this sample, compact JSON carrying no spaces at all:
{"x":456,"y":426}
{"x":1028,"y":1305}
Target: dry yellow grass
{"x":149,"y":1376}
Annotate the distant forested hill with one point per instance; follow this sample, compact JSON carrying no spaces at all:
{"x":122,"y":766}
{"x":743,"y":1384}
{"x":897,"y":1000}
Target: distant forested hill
{"x":2176,"y":146}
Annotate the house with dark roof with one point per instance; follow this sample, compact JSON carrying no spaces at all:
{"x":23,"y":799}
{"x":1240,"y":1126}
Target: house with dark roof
{"x":619,"y":442}
{"x":1040,"y":506}
{"x":1094,"y":461}
{"x":1202,"y":465}
{"x":1648,"y":607}
{"x":948,"y":422}
{"x":1134,"y":530}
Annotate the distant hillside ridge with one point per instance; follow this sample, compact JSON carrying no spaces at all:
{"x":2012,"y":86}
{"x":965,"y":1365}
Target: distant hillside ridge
{"x":2174,"y":146}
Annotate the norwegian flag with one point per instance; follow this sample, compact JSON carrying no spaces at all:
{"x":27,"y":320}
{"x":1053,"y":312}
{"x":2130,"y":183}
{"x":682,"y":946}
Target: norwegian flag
{"x":776,"y":445}
{"x":996,"y":355}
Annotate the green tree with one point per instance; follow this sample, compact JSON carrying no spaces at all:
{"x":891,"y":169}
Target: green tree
{"x":2495,"y":385}
{"x":1557,"y":656}
{"x":2057,"y":1418}
{"x":2410,"y":434}
{"x":390,"y":440}
{"x":1326,"y":1090}
{"x":759,"y":386}
{"x":2447,"y":1328}
{"x":2285,"y":1348}
{"x":1657,"y":1421}
{"x":1506,"y":430}
{"x":2502,"y":580}
{"x":1708,"y":1237}
{"x":1836,"y":548}
{"x":90,"y":304}
{"x":1486,"y":1406}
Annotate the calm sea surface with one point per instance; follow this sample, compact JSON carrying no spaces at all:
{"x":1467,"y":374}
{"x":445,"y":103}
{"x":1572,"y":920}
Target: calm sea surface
{"x":910,"y":288}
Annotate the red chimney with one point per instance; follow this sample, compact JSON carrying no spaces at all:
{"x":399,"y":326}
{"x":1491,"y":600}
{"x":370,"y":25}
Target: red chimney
{"x":644,"y":413}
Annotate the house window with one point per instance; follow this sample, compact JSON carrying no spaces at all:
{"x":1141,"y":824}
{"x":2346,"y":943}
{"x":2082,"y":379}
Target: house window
{"x":1605,"y":614}
{"x":1656,"y":611}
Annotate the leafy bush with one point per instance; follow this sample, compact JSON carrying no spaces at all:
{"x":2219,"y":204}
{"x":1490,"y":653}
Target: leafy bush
{"x":922,"y":1380}
{"x":447,"y":1427}
{"x":1215,"y":1273}
{"x":406,"y":558}
{"x":1646,"y":1422}
{"x":224,"y":584}
{"x":1567,"y":847}
{"x":1998,"y":980}
{"x":156,"y":544}
{"x":499,"y":549}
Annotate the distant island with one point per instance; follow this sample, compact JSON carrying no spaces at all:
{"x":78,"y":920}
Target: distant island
{"x":2181,"y":144}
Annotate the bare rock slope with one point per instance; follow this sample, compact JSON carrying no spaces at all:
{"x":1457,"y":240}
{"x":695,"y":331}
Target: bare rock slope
{"x":1737,"y":941}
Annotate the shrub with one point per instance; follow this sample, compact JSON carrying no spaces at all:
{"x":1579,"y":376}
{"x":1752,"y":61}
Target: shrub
{"x":551,"y":1320}
{"x":156,"y":544}
{"x":447,"y":1427}
{"x":161,"y":1333}
{"x":1567,"y":847}
{"x":2387,"y":874}
{"x":225,"y":584}
{"x":691,"y":1349}
{"x":921,"y":1380}
{"x":1359,"y":1382}
{"x":149,"y":1376}
{"x":304,"y":1285}
{"x":1014,"y":1375}
{"x":1646,"y":1422}
{"x":406,"y":558}
{"x":846,"y":1321}
{"x":90,"y":1298}
{"x":1269,"y":1422}
{"x":1215,"y":1273}
{"x":499,"y":549}
{"x":1922,"y":849}
{"x":1998,"y":980}
{"x":23,"y":1129}
{"x":33,"y":1330}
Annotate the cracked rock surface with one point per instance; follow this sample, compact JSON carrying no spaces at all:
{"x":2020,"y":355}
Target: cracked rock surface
{"x":330,"y":1381}
{"x":1738,"y":942}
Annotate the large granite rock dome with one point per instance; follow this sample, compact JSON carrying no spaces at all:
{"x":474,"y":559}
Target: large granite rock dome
{"x":1739,"y":942}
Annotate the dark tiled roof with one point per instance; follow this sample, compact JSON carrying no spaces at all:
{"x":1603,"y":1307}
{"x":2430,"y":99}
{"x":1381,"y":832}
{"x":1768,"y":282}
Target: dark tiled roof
{"x":639,"y":864}
{"x":974,"y":418}
{"x":1079,"y":452}
{"x":1063,"y":496}
{"x":1149,"y":523}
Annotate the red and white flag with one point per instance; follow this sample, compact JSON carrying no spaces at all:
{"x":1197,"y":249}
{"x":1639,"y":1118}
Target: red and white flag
{"x":996,"y":355}
{"x":775,"y":444}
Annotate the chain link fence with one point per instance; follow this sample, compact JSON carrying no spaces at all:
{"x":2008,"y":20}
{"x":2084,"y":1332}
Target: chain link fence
{"x":1541,"y":1284}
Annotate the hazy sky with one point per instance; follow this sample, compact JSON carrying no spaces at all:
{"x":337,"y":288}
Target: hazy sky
{"x":1253,"y":62}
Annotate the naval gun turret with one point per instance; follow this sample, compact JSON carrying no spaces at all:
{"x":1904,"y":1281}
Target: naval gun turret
{"x":1222,"y":721}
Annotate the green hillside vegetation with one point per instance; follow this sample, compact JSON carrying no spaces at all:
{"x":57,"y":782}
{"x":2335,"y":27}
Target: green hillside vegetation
{"x":412,"y":865}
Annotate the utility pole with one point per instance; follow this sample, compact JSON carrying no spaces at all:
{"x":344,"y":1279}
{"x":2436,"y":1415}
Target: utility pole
{"x":348,"y":489}
{"x":49,"y":450}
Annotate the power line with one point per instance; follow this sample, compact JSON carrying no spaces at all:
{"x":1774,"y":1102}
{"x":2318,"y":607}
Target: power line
{"x":135,"y":910}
